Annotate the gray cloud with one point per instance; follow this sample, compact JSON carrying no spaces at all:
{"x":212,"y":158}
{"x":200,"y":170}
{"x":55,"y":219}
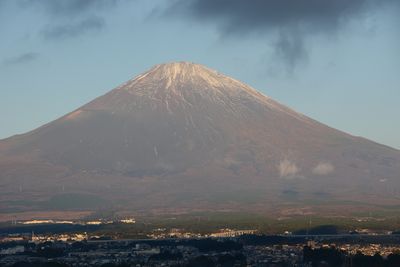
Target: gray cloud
{"x":71,"y":18}
{"x":290,"y":48}
{"x":289,"y":22}
{"x":69,"y":7}
{"x":21,"y":59}
{"x":64,"y":31}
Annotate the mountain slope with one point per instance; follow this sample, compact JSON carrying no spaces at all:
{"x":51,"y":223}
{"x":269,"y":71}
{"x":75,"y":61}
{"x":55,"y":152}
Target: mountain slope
{"x":182,"y":136}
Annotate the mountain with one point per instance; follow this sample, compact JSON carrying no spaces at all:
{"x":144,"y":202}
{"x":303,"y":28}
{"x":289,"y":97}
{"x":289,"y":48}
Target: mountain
{"x":182,"y":137}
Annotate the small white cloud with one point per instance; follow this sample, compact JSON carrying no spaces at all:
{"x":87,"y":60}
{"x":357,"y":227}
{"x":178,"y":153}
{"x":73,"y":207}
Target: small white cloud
{"x":287,"y":168}
{"x":323,"y":168}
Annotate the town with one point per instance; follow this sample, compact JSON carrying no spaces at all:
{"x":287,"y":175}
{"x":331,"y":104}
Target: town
{"x":176,"y":247}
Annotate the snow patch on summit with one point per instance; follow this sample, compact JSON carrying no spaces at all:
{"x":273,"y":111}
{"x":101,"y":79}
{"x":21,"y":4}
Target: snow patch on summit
{"x":176,"y":86}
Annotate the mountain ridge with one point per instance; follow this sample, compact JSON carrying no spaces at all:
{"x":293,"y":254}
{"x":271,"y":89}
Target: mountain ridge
{"x":183,"y":131}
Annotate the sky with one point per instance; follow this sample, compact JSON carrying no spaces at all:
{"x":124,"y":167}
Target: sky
{"x":337,"y":61}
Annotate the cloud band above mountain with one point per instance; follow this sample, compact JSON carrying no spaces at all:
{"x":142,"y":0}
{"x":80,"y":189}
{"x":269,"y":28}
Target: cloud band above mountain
{"x":289,"y":22}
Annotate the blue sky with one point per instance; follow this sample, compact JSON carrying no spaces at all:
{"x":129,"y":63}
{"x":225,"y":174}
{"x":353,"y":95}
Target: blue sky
{"x":338,"y":63}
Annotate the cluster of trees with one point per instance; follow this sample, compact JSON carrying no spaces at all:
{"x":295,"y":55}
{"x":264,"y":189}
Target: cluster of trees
{"x":207,"y":245}
{"x":330,"y":256}
{"x":334,"y":258}
{"x":223,"y":260}
{"x":39,"y":264}
{"x":393,"y":260}
{"x":166,"y":256}
{"x":267,"y":240}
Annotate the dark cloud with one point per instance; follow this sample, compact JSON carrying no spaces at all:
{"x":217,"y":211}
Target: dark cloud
{"x":71,"y":18}
{"x":290,"y":22}
{"x":290,"y":48}
{"x":70,"y":7}
{"x":64,"y":31}
{"x":21,"y":59}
